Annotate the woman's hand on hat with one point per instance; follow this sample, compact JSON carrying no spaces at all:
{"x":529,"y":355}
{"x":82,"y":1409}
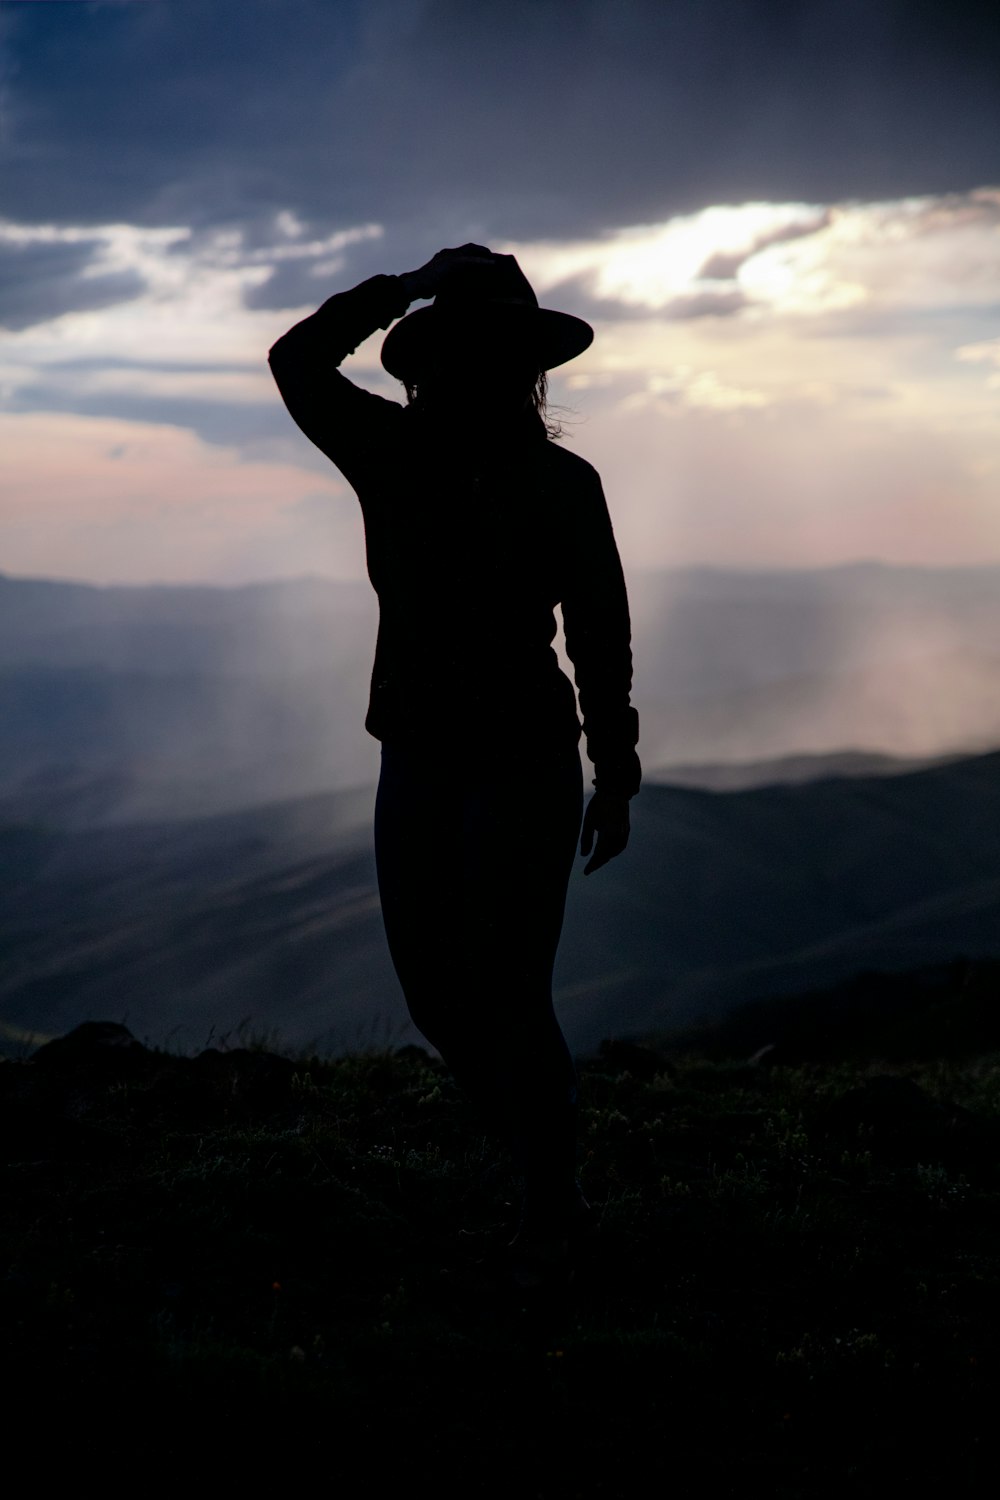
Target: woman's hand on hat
{"x":429,"y":278}
{"x":606,"y":815}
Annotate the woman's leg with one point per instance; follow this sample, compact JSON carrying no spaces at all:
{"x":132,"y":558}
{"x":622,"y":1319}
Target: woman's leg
{"x":419,"y":862}
{"x":417,"y":858}
{"x":520,"y":838}
{"x":473,"y":871}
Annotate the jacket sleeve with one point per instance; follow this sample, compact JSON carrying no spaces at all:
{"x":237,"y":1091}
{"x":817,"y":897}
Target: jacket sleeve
{"x":598,"y":635}
{"x":347,"y":423}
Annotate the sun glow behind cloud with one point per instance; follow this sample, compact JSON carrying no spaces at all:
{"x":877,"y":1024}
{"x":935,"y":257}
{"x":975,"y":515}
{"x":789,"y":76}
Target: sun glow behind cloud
{"x":650,"y":266}
{"x":800,"y":258}
{"x":791,"y":384}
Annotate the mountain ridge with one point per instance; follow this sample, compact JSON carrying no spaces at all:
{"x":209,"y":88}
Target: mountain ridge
{"x":720,"y":897}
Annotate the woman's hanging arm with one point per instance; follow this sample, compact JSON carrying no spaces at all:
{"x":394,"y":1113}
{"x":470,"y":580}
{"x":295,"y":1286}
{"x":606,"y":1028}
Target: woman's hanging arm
{"x":344,"y":421}
{"x":598,"y":634}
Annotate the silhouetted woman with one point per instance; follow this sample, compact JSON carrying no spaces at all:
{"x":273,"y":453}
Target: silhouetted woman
{"x":476,"y":525}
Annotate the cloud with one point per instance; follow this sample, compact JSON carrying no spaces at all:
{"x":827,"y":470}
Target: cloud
{"x":986,"y":353}
{"x":42,"y":281}
{"x":915,"y":254}
{"x":574,"y":295}
{"x":657,"y":267}
{"x":48,"y":270}
{"x":299,"y":273}
{"x":836,"y":397}
{"x":707,"y":304}
{"x":724,"y":265}
{"x":532,"y":119}
{"x":786,"y":483}
{"x":685,"y":386}
{"x":137,"y":502}
{"x":781,"y":219}
{"x":190,"y":346}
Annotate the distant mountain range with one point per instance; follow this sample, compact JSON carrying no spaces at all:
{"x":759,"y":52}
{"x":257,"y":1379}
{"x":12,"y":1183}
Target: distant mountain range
{"x":776,"y":890}
{"x":122,"y":703}
{"x":185,"y":927}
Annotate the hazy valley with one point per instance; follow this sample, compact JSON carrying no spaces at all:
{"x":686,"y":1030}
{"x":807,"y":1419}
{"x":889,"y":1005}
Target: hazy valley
{"x":186,"y":792}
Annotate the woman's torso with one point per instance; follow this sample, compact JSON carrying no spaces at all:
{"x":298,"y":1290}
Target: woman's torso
{"x":465,"y":541}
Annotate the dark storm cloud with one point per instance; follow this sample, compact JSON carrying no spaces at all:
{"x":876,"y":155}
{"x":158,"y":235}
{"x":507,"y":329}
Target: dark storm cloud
{"x":446,"y":119}
{"x":40,"y":281}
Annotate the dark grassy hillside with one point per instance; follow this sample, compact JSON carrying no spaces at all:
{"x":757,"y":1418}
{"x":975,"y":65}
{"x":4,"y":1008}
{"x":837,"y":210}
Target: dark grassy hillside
{"x":950,"y":1010}
{"x":793,"y":1290}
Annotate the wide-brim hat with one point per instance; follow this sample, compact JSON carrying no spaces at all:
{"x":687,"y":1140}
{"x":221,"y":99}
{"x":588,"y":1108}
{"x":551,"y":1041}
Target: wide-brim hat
{"x":500,"y":297}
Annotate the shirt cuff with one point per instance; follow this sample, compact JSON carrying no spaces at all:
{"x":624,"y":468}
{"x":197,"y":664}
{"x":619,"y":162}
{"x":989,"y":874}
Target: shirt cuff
{"x":621,"y":776}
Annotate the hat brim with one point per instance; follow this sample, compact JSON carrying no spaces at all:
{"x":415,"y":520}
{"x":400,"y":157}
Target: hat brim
{"x":558,"y":336}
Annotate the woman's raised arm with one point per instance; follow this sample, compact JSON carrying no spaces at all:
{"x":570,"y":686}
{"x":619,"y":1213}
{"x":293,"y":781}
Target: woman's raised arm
{"x":346,"y":422}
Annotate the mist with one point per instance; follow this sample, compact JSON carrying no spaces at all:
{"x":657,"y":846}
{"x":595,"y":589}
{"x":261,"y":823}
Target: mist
{"x":123,"y":703}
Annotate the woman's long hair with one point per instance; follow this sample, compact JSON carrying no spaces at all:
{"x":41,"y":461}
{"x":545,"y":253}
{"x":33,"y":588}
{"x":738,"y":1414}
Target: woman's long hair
{"x":539,"y":400}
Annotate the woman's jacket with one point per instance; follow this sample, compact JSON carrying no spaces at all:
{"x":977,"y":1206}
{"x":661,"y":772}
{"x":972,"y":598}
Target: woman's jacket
{"x":472,"y":539}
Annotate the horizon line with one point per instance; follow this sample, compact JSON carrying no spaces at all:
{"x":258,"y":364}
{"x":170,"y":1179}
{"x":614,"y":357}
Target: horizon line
{"x":736,"y":569}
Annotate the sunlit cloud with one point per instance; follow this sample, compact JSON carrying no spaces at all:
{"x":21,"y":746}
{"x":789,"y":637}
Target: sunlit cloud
{"x":987,"y":353}
{"x":653,"y":265}
{"x":790,"y":258}
{"x":789,"y":384}
{"x":193,"y":310}
{"x":687,"y":386}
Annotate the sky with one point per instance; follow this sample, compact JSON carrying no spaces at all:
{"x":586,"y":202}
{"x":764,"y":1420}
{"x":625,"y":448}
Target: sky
{"x":782,"y":218}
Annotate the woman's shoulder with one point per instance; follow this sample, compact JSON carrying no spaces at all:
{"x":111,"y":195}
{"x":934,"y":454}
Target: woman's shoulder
{"x":571,"y":468}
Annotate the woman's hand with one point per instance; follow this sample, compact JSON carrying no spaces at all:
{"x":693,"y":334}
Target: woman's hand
{"x":607,"y":816}
{"x":429,"y":278}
